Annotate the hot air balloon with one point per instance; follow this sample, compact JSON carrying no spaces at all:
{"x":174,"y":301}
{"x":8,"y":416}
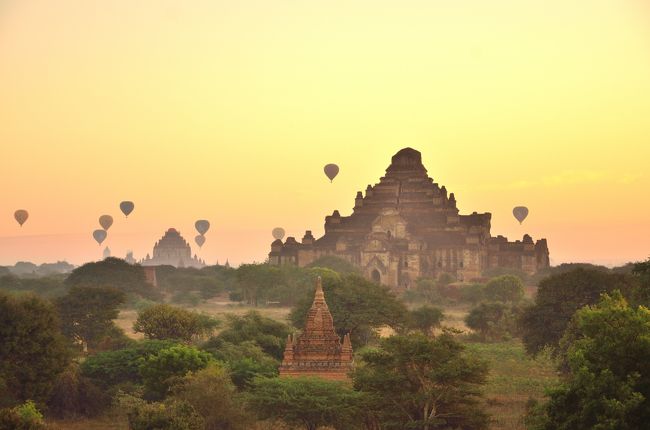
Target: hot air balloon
{"x":100,"y":235}
{"x":106,"y":221}
{"x":202,"y":226}
{"x":278,"y":233}
{"x":21,"y":216}
{"x":520,"y":212}
{"x":331,"y":170}
{"x":200,"y":240}
{"x":126,"y":208}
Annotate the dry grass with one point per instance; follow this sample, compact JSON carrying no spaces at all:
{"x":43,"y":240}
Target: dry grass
{"x":103,"y":423}
{"x":514,"y":379}
{"x":215,"y":308}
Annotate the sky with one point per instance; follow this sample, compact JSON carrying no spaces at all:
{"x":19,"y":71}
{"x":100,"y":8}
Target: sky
{"x":228,"y":111}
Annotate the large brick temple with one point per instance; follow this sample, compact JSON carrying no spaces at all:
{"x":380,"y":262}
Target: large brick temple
{"x":172,"y":250}
{"x":318,"y":350}
{"x":407,"y":226}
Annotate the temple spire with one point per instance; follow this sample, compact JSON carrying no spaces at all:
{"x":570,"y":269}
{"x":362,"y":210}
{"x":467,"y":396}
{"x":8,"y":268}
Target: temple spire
{"x":318,"y":350}
{"x":319,"y":297}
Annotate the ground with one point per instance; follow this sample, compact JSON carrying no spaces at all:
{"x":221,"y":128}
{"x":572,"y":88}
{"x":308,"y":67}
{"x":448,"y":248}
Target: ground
{"x":514,"y":378}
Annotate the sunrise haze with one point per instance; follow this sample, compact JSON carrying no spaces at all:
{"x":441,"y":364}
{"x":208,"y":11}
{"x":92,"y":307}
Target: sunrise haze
{"x":228,"y":111}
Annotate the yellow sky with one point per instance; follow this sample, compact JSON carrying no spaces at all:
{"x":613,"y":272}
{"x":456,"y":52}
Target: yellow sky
{"x":228,"y":110}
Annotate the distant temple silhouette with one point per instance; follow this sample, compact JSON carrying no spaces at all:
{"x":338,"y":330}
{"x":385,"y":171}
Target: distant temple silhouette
{"x":318,"y":351}
{"x":407,"y":227}
{"x":172,"y":250}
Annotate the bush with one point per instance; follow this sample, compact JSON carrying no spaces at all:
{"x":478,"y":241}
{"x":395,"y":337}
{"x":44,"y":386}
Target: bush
{"x":494,"y":321}
{"x":425,"y":319}
{"x":157,"y":371}
{"x":22,"y":417}
{"x":245,"y":360}
{"x":506,"y":288}
{"x":74,"y":395}
{"x":122,"y":366}
{"x":268,"y":333}
{"x":211,"y":393}
{"x":169,"y":322}
{"x":169,"y":415}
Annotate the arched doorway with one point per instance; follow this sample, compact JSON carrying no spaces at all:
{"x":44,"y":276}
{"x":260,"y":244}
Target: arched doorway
{"x":376,"y":276}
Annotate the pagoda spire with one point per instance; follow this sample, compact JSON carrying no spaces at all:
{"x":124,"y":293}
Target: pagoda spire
{"x":319,"y":297}
{"x":318,"y":350}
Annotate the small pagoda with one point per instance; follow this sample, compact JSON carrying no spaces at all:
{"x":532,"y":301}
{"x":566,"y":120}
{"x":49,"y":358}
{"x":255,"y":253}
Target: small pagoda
{"x":318,"y":351}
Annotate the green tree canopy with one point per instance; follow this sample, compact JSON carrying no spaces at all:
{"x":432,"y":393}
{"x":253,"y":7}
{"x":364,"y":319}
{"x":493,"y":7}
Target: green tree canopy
{"x":641,"y":295}
{"x":608,"y":387}
{"x":22,"y":417}
{"x":505,"y":288}
{"x":74,"y":395}
{"x":358,"y":306}
{"x":559,"y":297}
{"x":425,"y":319}
{"x":157,"y":371}
{"x":256,"y":280}
{"x":245,"y":360}
{"x":189,"y":282}
{"x":336,"y":264}
{"x":172,"y":414}
{"x":32,"y":349}
{"x":307,"y":402}
{"x":494,"y":321}
{"x":87,"y":313}
{"x":122,"y":366}
{"x":414,"y":382}
{"x":115,"y":273}
{"x":268,"y":333}
{"x":164,"y":321}
{"x":213,"y":396}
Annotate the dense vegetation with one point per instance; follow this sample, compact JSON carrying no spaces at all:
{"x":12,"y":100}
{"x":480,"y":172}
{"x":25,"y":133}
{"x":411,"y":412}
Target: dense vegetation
{"x":62,"y":353}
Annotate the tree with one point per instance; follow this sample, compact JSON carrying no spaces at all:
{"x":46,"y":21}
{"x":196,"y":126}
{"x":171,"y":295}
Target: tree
{"x":32,"y":349}
{"x":358,"y":306}
{"x":245,"y":361}
{"x":74,"y":395}
{"x":608,"y":386}
{"x":494,"y":321}
{"x":163,"y":321}
{"x":189,"y":282}
{"x":111,"y":368}
{"x":158,"y":370}
{"x":337,"y":264}
{"x":425,"y":319}
{"x":254,"y":281}
{"x":472,"y":293}
{"x":169,"y":415}
{"x":212,"y":395}
{"x":439,"y":383}
{"x":559,"y":297}
{"x":268,"y":333}
{"x":47,"y":286}
{"x":506,"y":288}
{"x":87,"y":313}
{"x":641,"y":294}
{"x":22,"y":417}
{"x":115,"y":273}
{"x":310,"y":402}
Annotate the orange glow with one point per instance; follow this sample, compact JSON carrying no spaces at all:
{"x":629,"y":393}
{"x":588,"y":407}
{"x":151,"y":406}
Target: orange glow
{"x":228,"y":110}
